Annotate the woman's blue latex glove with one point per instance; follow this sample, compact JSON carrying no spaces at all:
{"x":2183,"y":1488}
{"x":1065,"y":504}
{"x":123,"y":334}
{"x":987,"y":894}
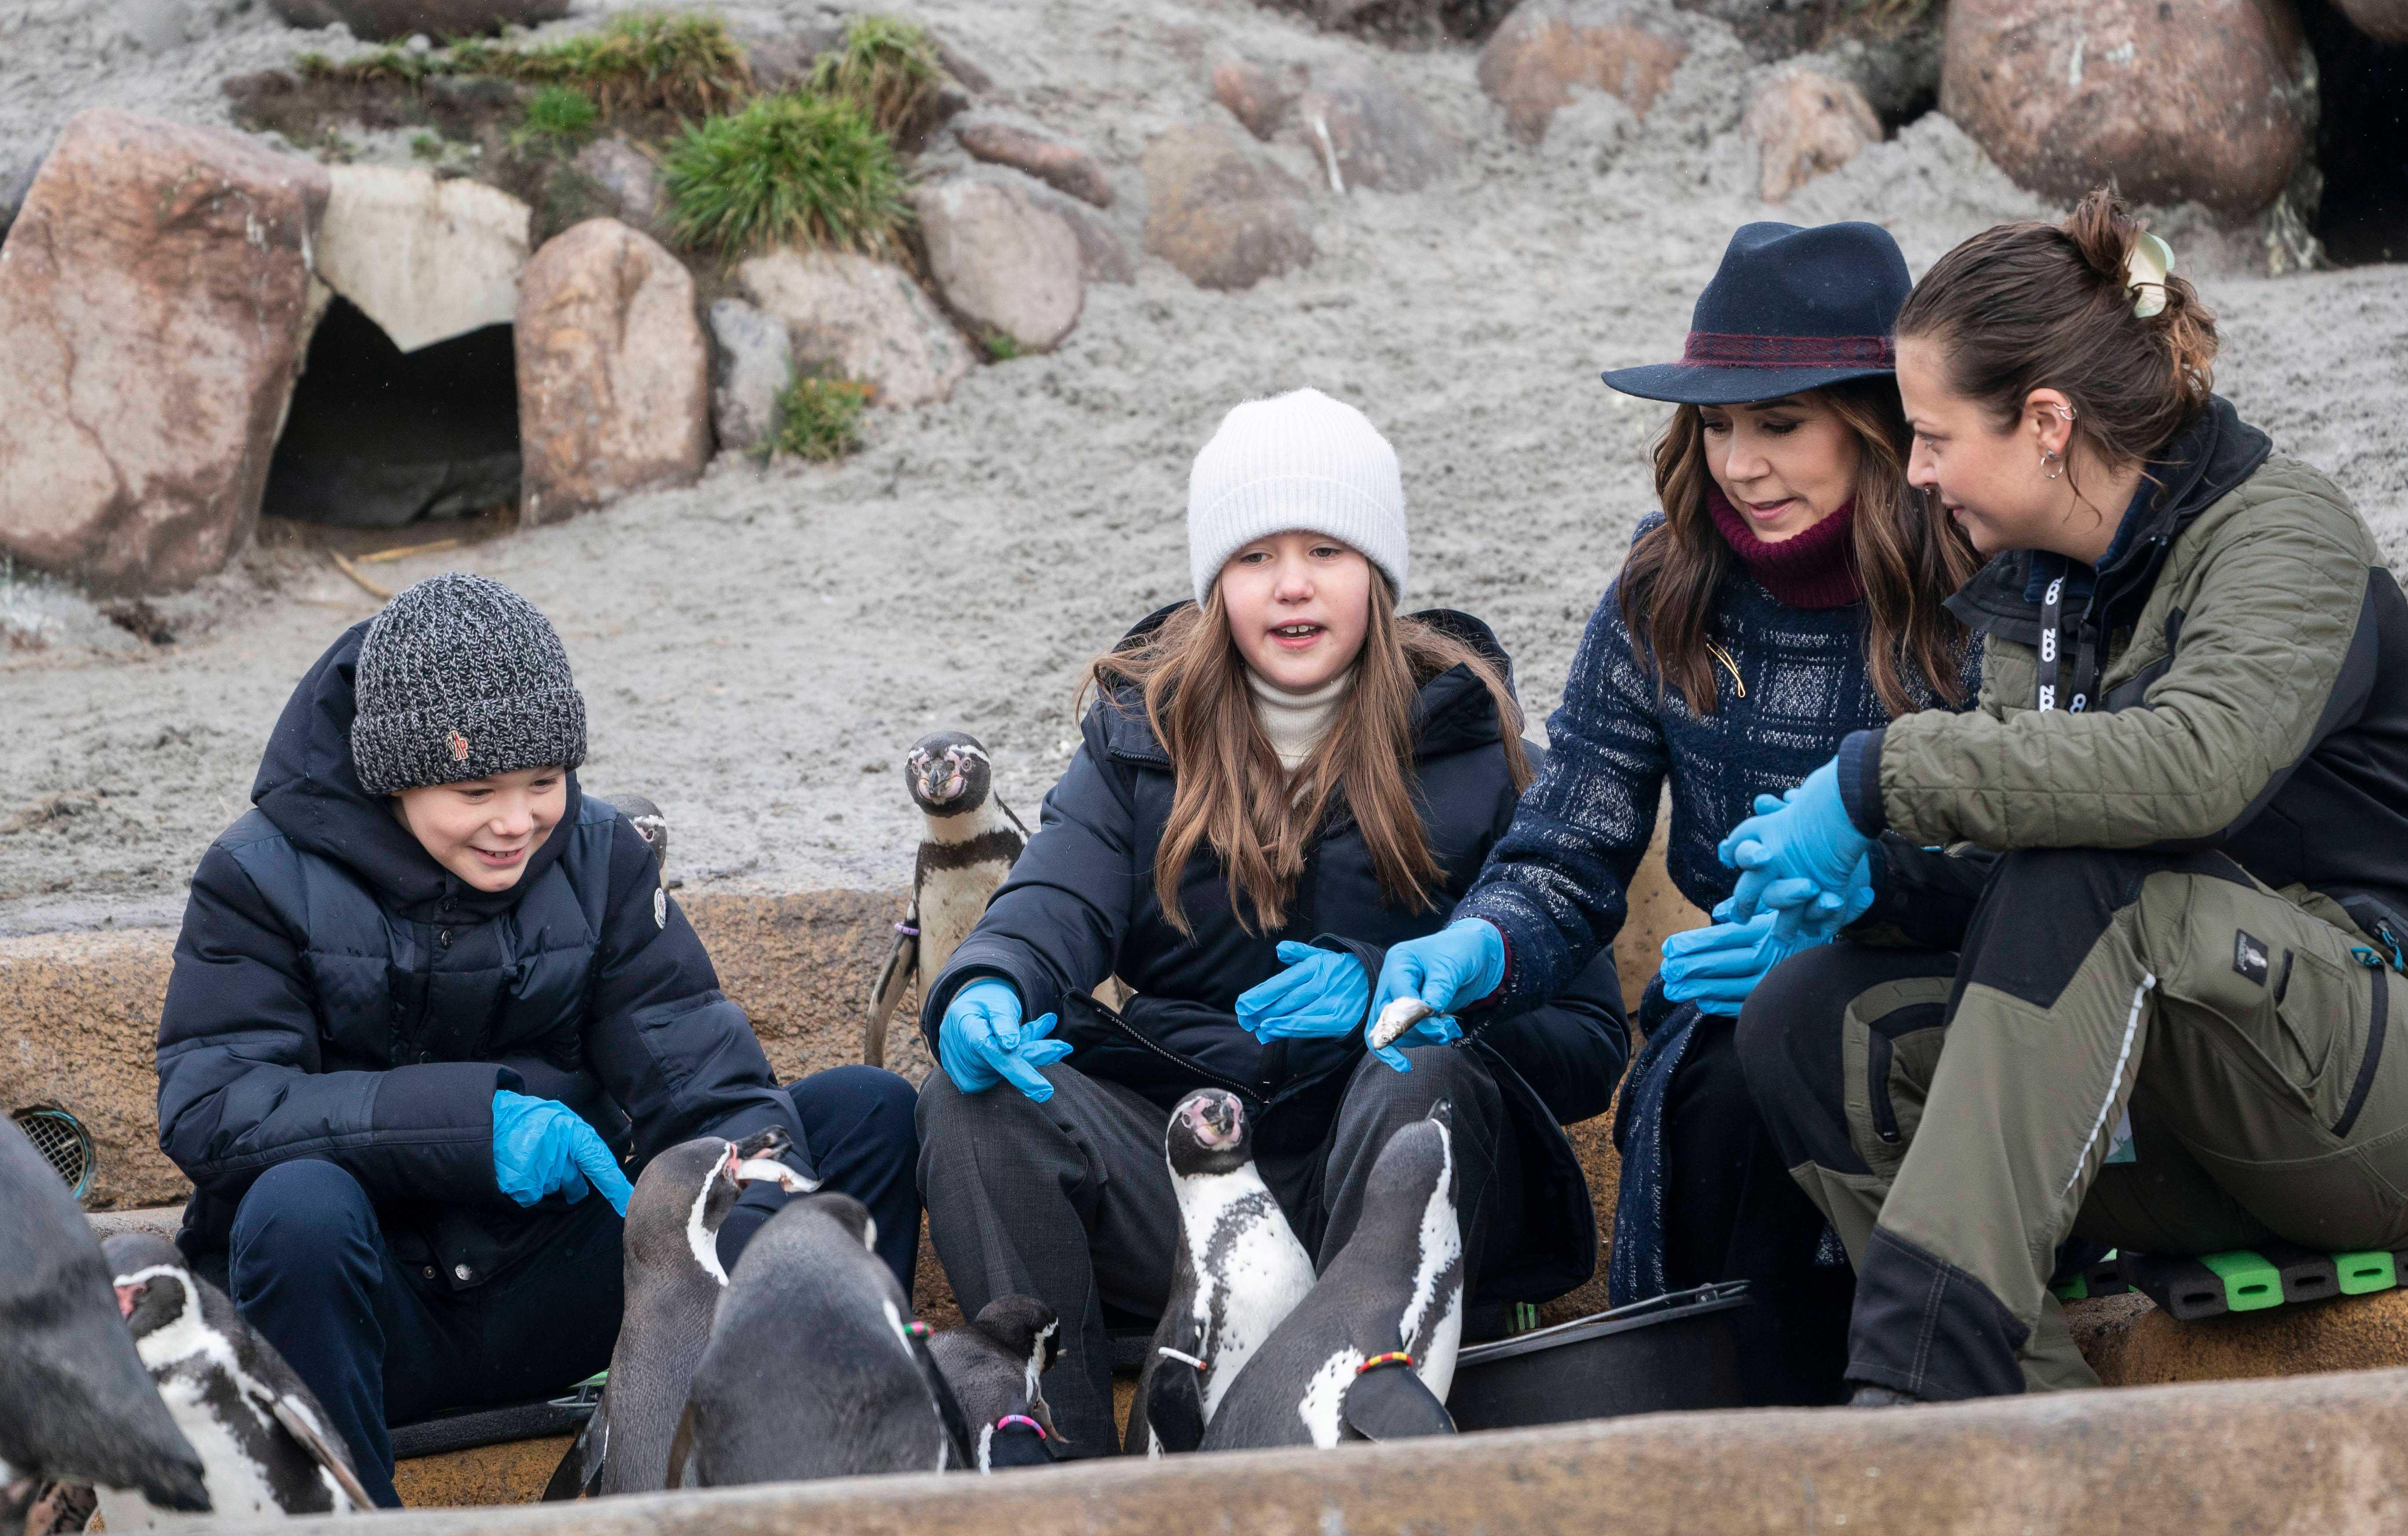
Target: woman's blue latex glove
{"x":1808,"y":837}
{"x":1322,"y":995}
{"x":540,"y":1147}
{"x":982,"y":1041}
{"x":1450,"y":968}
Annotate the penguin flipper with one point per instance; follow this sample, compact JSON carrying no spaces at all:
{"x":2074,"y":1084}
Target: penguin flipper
{"x":948,"y":1407}
{"x":1391,"y":1402}
{"x":894,"y":980}
{"x":302,"y":1427}
{"x":1174,"y":1406}
{"x":581,"y":1465}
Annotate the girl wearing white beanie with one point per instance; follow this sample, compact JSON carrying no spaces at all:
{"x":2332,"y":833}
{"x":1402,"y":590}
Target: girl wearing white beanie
{"x":1278,"y":781}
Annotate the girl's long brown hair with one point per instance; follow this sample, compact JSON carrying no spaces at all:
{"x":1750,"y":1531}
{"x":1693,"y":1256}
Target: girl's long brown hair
{"x":1232,"y":795}
{"x":1908,"y":561}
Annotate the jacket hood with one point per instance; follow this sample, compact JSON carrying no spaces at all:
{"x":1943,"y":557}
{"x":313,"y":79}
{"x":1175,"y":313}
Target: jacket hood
{"x":2207,"y":462}
{"x":308,"y":787}
{"x":1452,"y":713}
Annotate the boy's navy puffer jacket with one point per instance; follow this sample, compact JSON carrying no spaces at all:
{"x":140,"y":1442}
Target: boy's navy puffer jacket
{"x":1080,"y":906}
{"x":338,"y":994}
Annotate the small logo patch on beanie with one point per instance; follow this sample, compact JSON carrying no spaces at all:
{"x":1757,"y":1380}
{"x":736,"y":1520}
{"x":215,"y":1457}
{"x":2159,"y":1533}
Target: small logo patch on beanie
{"x":459,"y":747}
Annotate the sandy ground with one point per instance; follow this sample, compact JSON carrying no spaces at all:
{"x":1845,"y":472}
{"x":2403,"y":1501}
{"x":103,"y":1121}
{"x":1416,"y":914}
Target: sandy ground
{"x":757,"y":651}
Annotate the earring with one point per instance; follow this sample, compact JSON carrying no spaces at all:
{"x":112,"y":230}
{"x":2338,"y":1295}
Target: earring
{"x":2048,"y":455}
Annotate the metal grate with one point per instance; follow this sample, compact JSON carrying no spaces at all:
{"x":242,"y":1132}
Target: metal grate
{"x":60,"y":1138}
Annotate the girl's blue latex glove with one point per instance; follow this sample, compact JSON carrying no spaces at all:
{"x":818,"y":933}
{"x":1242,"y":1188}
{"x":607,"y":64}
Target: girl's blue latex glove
{"x":1717,"y":968}
{"x":1450,"y":968}
{"x":540,"y":1147}
{"x":1322,"y":995}
{"x":1807,"y":836}
{"x":981,"y":1040}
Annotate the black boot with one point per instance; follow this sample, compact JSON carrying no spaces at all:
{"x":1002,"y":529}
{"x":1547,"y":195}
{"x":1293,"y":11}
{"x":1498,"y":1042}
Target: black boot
{"x":1875,"y":1395}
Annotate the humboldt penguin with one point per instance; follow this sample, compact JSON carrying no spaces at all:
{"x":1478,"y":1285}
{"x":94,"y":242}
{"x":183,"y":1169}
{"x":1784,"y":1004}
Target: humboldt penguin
{"x":968,"y":848}
{"x":995,"y":1364}
{"x":1369,"y":1354}
{"x":673,"y":1281}
{"x":815,"y":1366}
{"x":264,"y":1441}
{"x":75,"y":1403}
{"x":1237,"y":1274}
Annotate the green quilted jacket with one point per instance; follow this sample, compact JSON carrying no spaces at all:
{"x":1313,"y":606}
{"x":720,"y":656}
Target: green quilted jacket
{"x":2244,"y":661}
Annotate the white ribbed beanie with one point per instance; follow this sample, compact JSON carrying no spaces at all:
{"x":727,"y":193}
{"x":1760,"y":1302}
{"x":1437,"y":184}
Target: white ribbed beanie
{"x":1298,"y":462}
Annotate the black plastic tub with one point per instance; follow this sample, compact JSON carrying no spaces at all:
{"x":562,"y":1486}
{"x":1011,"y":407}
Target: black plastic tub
{"x":1670,"y":1353}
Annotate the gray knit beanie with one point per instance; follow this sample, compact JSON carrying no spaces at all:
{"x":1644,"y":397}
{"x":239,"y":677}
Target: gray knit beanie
{"x":1298,"y":461}
{"x":460,"y":677}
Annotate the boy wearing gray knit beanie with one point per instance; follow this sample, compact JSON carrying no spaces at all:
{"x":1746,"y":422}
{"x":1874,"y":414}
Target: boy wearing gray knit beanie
{"x":430,"y":1000}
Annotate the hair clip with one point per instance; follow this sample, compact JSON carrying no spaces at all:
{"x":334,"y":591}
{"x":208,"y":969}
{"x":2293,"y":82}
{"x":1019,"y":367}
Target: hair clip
{"x":2144,"y":273}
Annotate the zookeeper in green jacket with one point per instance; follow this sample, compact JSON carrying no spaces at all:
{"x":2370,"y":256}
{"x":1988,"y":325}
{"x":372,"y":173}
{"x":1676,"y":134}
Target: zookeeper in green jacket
{"x":2159,"y":875}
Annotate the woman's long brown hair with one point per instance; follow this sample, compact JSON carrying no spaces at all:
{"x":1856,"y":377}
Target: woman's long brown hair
{"x":1232,"y":795}
{"x":1908,"y":561}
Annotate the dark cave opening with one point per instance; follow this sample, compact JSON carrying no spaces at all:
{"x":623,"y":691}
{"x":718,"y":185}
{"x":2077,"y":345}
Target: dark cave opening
{"x":377,"y":437}
{"x":2362,"y":139}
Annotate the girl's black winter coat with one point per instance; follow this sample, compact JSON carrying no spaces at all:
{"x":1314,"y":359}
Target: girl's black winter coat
{"x":338,"y":994}
{"x":1080,"y":906}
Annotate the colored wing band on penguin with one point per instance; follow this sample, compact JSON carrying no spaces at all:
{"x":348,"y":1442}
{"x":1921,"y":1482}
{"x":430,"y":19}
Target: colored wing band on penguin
{"x":1393,"y":1357}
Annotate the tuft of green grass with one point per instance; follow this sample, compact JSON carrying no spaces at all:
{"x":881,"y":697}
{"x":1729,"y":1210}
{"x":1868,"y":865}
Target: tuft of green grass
{"x":885,"y":66}
{"x":819,"y":419}
{"x":1001,"y":346}
{"x":425,"y":147}
{"x":686,"y":65}
{"x":793,"y":169}
{"x":560,"y":111}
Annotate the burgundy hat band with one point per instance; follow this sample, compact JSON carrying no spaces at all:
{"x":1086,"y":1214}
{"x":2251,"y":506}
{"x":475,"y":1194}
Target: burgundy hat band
{"x":1723,"y":351}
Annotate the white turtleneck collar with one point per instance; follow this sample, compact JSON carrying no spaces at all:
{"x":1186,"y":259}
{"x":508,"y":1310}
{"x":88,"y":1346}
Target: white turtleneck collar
{"x":1296,"y":723}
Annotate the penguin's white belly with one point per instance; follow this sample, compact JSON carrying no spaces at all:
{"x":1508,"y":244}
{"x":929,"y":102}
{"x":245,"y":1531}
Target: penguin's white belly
{"x":951,"y":904}
{"x":1250,"y":1271}
{"x":1432,"y":1325}
{"x":238,"y":1484}
{"x":1323,"y":1404}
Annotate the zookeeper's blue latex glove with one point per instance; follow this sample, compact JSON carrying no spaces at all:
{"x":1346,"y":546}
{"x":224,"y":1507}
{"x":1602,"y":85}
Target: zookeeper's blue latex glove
{"x":1807,"y":836}
{"x":1450,"y":968}
{"x":540,"y":1147}
{"x":982,"y":1041}
{"x":1322,"y":995}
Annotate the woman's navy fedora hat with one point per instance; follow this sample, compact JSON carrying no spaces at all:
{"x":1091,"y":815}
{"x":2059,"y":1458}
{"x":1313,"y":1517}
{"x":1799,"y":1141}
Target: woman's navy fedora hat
{"x":1789,"y":310}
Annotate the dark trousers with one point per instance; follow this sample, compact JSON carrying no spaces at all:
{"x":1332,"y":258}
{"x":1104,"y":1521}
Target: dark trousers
{"x":1071,"y":1200}
{"x":1731,"y":1212}
{"x":309,"y":1267}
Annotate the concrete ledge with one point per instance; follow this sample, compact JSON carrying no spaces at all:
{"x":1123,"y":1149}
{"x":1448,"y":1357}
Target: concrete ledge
{"x":2322,"y":1453}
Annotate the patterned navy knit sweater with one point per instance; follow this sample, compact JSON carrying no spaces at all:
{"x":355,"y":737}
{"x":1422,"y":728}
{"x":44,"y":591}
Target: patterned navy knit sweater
{"x":1555,"y":884}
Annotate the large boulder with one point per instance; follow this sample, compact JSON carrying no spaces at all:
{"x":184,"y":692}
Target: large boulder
{"x":1059,"y":164}
{"x":753,"y":361}
{"x":1804,"y":123}
{"x":1219,"y":211}
{"x":1005,"y":266}
{"x":861,"y":320}
{"x":425,"y":259}
{"x":1103,"y":255}
{"x":2385,"y":21}
{"x":154,"y":295}
{"x":614,"y":380}
{"x":1376,"y":134}
{"x":2200,"y":101}
{"x":1547,"y":47}
{"x":379,"y":19}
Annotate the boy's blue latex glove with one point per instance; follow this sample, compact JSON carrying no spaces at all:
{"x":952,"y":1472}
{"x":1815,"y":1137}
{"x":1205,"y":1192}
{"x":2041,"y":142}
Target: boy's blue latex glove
{"x":982,"y":1041}
{"x":540,"y":1147}
{"x":1450,"y":968}
{"x":1322,"y":995}
{"x":1807,"y":836}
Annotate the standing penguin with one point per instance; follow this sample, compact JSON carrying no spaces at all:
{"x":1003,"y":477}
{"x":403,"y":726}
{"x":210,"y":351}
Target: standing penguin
{"x":815,"y":1367}
{"x":261,"y":1436}
{"x":970,"y":843}
{"x":1237,"y":1275}
{"x":1369,"y":1354}
{"x":670,"y":1247}
{"x":993,"y":1364}
{"x":75,"y":1403}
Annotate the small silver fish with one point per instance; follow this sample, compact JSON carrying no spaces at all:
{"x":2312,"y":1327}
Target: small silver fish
{"x":1395,"y":1019}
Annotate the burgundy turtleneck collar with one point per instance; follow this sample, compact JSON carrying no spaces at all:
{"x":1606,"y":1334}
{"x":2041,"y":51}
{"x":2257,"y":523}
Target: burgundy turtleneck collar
{"x":1815,"y":569}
